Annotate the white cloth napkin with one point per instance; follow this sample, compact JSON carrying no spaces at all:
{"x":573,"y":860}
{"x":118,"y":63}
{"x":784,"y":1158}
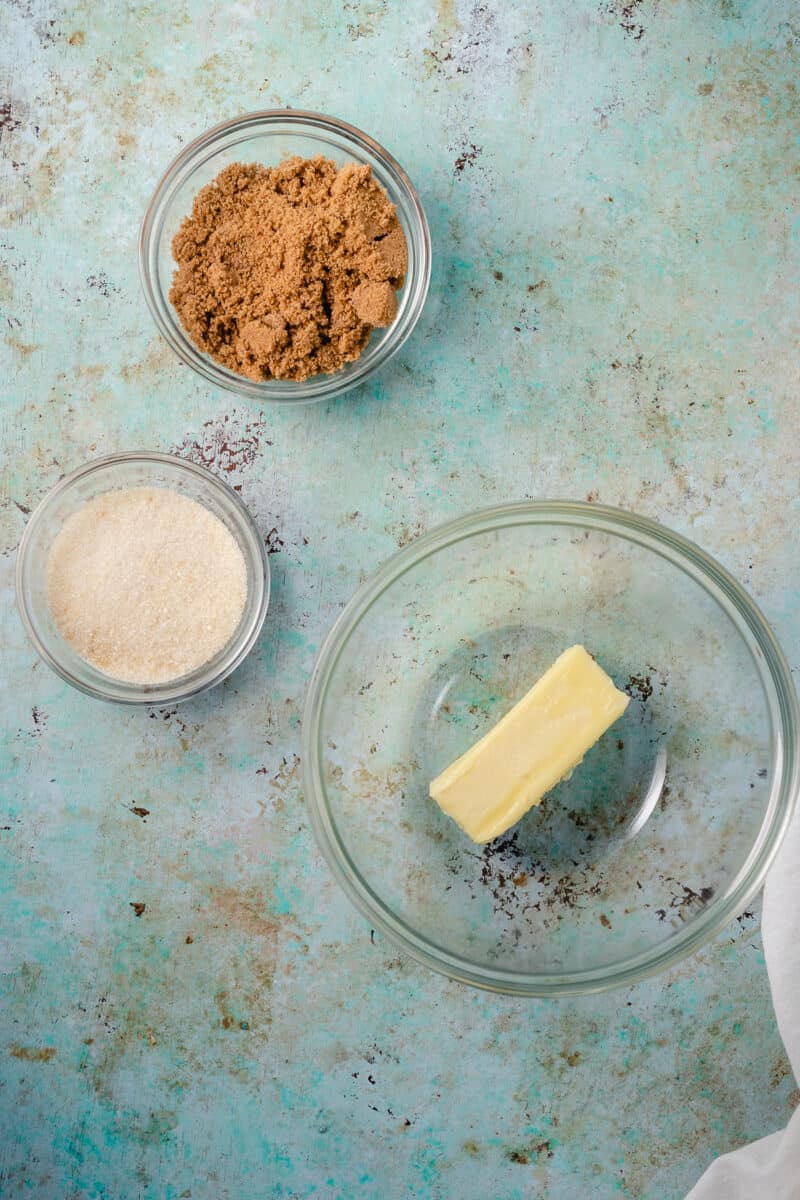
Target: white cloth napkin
{"x":769,"y":1169}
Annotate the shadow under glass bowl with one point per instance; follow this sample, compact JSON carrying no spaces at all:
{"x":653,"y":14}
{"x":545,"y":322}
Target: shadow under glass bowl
{"x":117,"y":471}
{"x":270,"y":137}
{"x":659,"y":837}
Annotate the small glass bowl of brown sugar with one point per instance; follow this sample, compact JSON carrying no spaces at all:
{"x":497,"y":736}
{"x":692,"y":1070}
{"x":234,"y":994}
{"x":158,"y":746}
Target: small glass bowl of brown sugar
{"x":142,"y":579}
{"x":278,"y":151}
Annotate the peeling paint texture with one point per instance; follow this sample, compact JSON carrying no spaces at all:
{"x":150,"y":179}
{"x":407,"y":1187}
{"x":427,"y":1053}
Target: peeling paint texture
{"x":188,"y":1005}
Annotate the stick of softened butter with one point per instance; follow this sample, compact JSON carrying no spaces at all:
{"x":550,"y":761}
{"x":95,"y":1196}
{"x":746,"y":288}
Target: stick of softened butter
{"x":537,"y":743}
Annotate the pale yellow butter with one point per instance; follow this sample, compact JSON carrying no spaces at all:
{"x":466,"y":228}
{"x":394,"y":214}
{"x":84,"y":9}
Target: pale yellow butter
{"x":533,"y":747}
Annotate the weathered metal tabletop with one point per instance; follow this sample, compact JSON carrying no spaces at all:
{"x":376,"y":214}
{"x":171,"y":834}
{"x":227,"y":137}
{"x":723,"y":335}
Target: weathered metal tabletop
{"x":614,"y":314}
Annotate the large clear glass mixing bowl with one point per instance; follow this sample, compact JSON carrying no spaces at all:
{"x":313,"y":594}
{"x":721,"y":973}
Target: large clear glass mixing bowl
{"x":659,"y":837}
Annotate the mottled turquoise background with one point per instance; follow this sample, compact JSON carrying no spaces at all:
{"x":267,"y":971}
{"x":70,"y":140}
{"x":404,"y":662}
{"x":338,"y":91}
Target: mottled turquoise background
{"x":613,"y":196}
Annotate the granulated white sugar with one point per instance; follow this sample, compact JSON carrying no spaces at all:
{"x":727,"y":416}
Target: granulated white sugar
{"x":146,"y":584}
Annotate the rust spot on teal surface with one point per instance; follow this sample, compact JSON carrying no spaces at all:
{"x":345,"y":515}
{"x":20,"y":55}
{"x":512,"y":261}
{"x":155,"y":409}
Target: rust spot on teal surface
{"x":32,"y":1053}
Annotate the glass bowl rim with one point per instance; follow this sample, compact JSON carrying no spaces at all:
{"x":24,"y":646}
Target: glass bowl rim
{"x":319,"y":387}
{"x":196,"y":681}
{"x":784,"y":715}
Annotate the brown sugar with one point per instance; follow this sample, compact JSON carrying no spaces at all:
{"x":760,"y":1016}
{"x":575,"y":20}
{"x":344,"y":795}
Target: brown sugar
{"x":284,"y":271}
{"x":375,"y":303}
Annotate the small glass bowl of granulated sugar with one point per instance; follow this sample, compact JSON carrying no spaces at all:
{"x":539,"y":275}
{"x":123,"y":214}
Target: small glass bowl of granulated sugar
{"x":141,"y":578}
{"x":237,"y":294}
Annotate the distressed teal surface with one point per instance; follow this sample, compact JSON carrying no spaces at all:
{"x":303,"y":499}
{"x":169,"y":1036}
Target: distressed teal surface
{"x":612,"y":191}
